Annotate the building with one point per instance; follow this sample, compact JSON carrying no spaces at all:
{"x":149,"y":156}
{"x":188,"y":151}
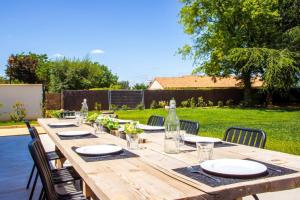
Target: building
{"x":196,"y":82}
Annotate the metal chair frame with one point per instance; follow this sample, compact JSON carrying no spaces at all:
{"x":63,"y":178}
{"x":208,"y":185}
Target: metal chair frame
{"x":155,"y":120}
{"x":191,"y":127}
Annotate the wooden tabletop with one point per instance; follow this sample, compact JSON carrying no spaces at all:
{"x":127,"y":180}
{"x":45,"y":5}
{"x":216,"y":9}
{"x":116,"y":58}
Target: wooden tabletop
{"x":150,"y":176}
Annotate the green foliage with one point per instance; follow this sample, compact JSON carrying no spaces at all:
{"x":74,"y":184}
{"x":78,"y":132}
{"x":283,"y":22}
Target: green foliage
{"x":131,"y":128}
{"x":140,"y":86}
{"x":124,"y":107}
{"x":97,"y":106}
{"x":22,"y":67}
{"x":185,"y":103}
{"x":162,"y":104}
{"x":92,"y":117}
{"x":113,"y":107}
{"x":3,"y":80}
{"x":124,"y":85}
{"x":229,"y":103}
{"x":54,"y":113}
{"x":192,"y":102}
{"x":112,"y":125}
{"x":201,"y":102}
{"x":18,"y":113}
{"x":153,"y":105}
{"x":210,"y":103}
{"x":220,"y":103}
{"x":140,"y":106}
{"x":75,"y":74}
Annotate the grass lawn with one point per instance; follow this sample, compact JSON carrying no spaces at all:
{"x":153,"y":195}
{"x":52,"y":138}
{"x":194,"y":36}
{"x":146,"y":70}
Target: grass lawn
{"x":12,"y":123}
{"x":281,"y":126}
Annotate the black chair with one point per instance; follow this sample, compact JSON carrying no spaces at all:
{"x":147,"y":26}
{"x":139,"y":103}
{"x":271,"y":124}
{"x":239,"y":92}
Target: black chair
{"x":246,"y":136}
{"x":155,"y":120}
{"x":191,"y":127}
{"x":46,"y":175}
{"x":67,"y":113}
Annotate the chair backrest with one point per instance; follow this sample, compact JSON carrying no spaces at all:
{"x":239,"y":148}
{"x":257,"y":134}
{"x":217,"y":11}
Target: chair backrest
{"x":34,"y":133}
{"x":191,"y":127}
{"x":67,"y":113}
{"x":246,"y":136}
{"x":155,"y":120}
{"x":26,"y":121}
{"x":43,"y":168}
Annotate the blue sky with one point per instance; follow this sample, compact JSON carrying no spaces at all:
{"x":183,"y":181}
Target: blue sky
{"x":136,"y":39}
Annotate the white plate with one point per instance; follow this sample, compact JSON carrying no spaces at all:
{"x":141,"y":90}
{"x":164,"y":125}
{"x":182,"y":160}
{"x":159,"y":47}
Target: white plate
{"x":151,"y":128}
{"x":195,"y":139}
{"x":58,"y":124}
{"x":233,"y":167}
{"x":101,"y":149}
{"x":73,"y":133}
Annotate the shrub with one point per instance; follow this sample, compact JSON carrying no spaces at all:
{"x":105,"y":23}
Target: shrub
{"x":220,"y":104}
{"x":210,"y":103}
{"x":140,"y":106}
{"x":153,"y":105}
{"x":54,"y":113}
{"x":229,"y":102}
{"x":97,"y":106}
{"x":162,"y":104}
{"x":124,"y":107}
{"x":201,"y":102}
{"x":185,"y":103}
{"x":113,"y":107}
{"x":18,"y":113}
{"x":192,"y":102}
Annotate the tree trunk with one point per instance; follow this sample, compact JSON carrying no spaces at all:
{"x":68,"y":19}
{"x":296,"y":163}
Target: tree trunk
{"x":247,"y":89}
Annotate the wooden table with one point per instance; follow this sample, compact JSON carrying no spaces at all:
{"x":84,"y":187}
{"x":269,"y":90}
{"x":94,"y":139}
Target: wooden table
{"x":150,"y":176}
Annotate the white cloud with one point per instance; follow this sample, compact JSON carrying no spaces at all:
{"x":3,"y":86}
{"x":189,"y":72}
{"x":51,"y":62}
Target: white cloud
{"x":57,"y":55}
{"x":96,"y":51}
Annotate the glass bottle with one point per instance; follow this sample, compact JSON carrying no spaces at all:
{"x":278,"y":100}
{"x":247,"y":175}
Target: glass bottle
{"x":84,"y":110}
{"x":172,"y":130}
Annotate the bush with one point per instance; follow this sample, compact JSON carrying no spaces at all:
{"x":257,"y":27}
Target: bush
{"x":54,"y":113}
{"x":162,"y":104}
{"x":153,"y":105}
{"x":97,"y":106}
{"x":210,"y":103}
{"x":18,"y":113}
{"x":201,"y":102}
{"x":113,"y":107}
{"x":220,"y":104}
{"x":140,"y":106}
{"x":192,"y":102}
{"x":229,"y":102}
{"x":124,"y":107}
{"x":185,"y":103}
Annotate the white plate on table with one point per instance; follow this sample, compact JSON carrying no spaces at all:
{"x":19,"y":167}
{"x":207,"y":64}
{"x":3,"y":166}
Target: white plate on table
{"x":151,"y":128}
{"x":234,"y":168}
{"x":99,"y":150}
{"x":61,"y":124}
{"x":73,"y":133}
{"x":194,"y":139}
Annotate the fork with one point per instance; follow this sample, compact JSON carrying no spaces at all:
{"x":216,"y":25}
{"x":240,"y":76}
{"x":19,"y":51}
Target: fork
{"x":193,"y":170}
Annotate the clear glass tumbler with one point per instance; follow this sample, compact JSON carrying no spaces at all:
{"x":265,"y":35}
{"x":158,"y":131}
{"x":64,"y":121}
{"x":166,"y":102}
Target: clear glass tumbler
{"x":204,"y":151}
{"x":78,"y":118}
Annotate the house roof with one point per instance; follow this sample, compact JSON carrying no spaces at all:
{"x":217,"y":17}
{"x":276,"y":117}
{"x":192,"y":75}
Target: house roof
{"x":193,"y":81}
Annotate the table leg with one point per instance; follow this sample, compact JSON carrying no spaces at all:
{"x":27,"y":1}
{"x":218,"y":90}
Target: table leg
{"x":59,"y":162}
{"x":87,"y":192}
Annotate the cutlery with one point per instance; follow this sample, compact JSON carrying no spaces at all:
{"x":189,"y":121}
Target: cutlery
{"x":273,"y":169}
{"x":193,"y":170}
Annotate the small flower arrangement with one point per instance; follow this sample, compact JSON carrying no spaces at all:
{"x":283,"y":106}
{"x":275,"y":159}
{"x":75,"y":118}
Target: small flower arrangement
{"x":132,"y":128}
{"x":113,"y":124}
{"x":92,"y":118}
{"x":103,"y":120}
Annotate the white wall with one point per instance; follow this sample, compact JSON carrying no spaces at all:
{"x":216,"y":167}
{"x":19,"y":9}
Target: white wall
{"x":31,"y":95}
{"x":155,"y":86}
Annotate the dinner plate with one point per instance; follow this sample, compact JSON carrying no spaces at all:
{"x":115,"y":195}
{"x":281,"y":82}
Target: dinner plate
{"x":151,"y":128}
{"x":99,"y":150}
{"x":195,"y":139}
{"x":234,"y":168}
{"x":73,"y":133}
{"x":61,"y":124}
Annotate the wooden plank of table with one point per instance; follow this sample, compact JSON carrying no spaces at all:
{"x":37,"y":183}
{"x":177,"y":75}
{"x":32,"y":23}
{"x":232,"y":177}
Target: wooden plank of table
{"x":154,"y":169}
{"x":130,"y":178}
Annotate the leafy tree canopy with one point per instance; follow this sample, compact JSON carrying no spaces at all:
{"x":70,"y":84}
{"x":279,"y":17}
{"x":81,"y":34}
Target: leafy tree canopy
{"x":139,"y":86}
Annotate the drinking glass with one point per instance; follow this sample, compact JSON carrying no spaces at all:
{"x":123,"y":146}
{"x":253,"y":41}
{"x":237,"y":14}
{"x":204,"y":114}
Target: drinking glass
{"x":132,"y":141}
{"x":204,"y":151}
{"x":181,"y":137}
{"x":78,"y":118}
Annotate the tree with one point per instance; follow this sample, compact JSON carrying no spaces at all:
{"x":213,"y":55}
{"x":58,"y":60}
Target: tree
{"x":3,"y":80}
{"x":240,"y":37}
{"x":22,"y":67}
{"x":123,"y":85}
{"x":140,"y":86}
{"x":65,"y":74}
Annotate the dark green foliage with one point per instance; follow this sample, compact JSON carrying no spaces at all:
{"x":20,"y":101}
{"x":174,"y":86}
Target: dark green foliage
{"x":229,"y":103}
{"x":185,"y":103}
{"x":153,"y":104}
{"x":140,"y":106}
{"x":220,"y":104}
{"x":140,"y":86}
{"x":18,"y":113}
{"x":210,"y":103}
{"x":97,"y":106}
{"x":192,"y":102}
{"x":201,"y":102}
{"x":124,"y":107}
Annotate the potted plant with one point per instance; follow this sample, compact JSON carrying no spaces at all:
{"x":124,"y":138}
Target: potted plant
{"x":132,"y":135}
{"x":113,"y":126}
{"x":103,"y":122}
